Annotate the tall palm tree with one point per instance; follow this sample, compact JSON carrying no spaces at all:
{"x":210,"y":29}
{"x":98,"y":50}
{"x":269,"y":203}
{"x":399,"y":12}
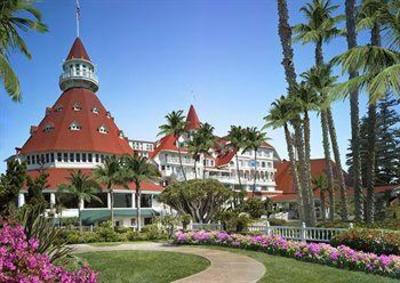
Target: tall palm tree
{"x":12,"y":22}
{"x":351,"y":37}
{"x":206,"y":132}
{"x":279,"y":116}
{"x":110,"y":174}
{"x":285,"y":35}
{"x":139,"y":170}
{"x":254,"y":138}
{"x":81,"y":187}
{"x":175,"y":126}
{"x":321,"y":27}
{"x":236,"y":138}
{"x":321,"y":183}
{"x":194,"y":146}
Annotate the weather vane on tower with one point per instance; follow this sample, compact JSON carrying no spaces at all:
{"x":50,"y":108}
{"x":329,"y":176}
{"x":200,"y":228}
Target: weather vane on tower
{"x":78,"y":16}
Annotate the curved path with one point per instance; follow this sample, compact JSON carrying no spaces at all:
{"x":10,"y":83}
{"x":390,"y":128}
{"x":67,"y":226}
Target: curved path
{"x":225,"y":267}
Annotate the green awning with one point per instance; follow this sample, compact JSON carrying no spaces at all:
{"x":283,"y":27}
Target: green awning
{"x":91,"y":216}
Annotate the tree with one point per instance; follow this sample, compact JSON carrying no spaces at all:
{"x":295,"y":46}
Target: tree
{"x":253,"y":140}
{"x":11,"y":183}
{"x":321,"y":27}
{"x":110,"y":174}
{"x":175,"y":126}
{"x":139,"y":170}
{"x":255,"y":207}
{"x":321,"y":183}
{"x":81,"y":187}
{"x":236,"y":138}
{"x":285,"y":35}
{"x":201,"y":199}
{"x":12,"y":22}
{"x":36,"y":186}
{"x":279,"y":116}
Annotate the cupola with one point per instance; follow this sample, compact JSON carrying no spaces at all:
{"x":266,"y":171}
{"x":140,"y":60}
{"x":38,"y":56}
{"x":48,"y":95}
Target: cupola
{"x":78,"y":70}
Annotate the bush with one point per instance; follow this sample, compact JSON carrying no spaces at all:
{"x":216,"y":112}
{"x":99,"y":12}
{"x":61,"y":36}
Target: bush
{"x":370,"y":240}
{"x":106,"y":233}
{"x":277,"y":222}
{"x":154,"y":232}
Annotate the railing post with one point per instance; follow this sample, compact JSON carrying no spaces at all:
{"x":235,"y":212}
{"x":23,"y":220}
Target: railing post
{"x":303,"y":232}
{"x":190,"y":226}
{"x":91,"y":228}
{"x":267,"y":228}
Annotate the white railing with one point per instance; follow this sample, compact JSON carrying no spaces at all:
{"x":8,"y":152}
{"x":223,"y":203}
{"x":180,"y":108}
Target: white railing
{"x":302,"y":233}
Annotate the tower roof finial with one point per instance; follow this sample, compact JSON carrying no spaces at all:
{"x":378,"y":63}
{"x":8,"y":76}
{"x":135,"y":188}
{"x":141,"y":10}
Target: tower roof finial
{"x":78,"y":16}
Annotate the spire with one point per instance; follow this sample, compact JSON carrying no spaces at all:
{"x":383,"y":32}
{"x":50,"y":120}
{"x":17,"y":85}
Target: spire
{"x":78,"y":51}
{"x":192,"y":120}
{"x":78,"y":17}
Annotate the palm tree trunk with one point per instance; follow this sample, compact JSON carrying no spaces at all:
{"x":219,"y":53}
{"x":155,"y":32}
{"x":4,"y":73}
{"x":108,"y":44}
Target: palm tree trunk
{"x":375,"y":41}
{"x":319,"y":59}
{"x":112,"y":208}
{"x":328,"y":164}
{"x":294,"y":172}
{"x":255,"y":171}
{"x":238,"y":170}
{"x":195,"y":168}
{"x":323,"y":207}
{"x":309,"y":207}
{"x":80,"y":218}
{"x":307,"y":153}
{"x":138,"y":197}
{"x":180,"y":162}
{"x":336,"y":154}
{"x":351,"y":37}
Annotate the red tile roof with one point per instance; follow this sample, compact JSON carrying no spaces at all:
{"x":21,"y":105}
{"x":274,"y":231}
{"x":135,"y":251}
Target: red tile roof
{"x":58,"y":176}
{"x":88,"y":138}
{"x":78,"y":51}
{"x":192,"y":120}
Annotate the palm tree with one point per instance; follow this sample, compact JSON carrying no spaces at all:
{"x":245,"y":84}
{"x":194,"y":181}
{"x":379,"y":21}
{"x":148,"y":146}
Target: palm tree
{"x":321,"y":183}
{"x":351,"y":37}
{"x":279,"y":116}
{"x":253,"y":140}
{"x":139,"y":170}
{"x":194,"y":146}
{"x":110,"y":174}
{"x":12,"y":22}
{"x":236,"y":138}
{"x":321,"y":27}
{"x":285,"y":35}
{"x":206,"y":132}
{"x":175,"y":126}
{"x":81,"y":187}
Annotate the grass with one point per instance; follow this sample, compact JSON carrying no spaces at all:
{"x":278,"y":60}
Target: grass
{"x":143,"y":266}
{"x":285,"y":270}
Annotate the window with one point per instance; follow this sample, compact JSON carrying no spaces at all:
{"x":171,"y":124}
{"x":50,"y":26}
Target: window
{"x":42,"y":159}
{"x":123,"y":200}
{"x":83,"y":157}
{"x":263,"y":164}
{"x":121,"y":134}
{"x":38,"y":159}
{"x":103,"y":129}
{"x":65,"y":157}
{"x":95,"y":110}
{"x":47,"y":158}
{"x":74,"y":126}
{"x":77,"y":70}
{"x":59,"y":156}
{"x":146,"y":200}
{"x":102,"y":158}
{"x":52,"y":157}
{"x":49,"y":127}
{"x":72,"y":157}
{"x":162,"y":167}
{"x":90,"y":158}
{"x":59,"y":108}
{"x":76,"y":107}
{"x":33,"y":159}
{"x":97,"y":204}
{"x":28,"y":159}
{"x":108,"y":114}
{"x":97,"y":158}
{"x":78,"y":157}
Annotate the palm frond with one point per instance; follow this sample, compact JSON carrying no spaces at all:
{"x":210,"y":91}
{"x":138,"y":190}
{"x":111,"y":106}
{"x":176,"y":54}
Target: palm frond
{"x":10,"y":80}
{"x":385,"y":81}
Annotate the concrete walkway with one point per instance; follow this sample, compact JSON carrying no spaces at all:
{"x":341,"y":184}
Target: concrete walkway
{"x":225,"y":267}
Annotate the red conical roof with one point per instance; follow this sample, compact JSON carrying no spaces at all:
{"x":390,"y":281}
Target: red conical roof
{"x":54,"y":133}
{"x":192,"y":120}
{"x":78,"y":51}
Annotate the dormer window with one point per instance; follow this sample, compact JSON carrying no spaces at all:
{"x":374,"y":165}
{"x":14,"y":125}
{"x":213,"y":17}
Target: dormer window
{"x":59,"y":108}
{"x":103,"y":129}
{"x":76,"y":107}
{"x":121,"y":134}
{"x":74,"y":126}
{"x":108,"y":114}
{"x":49,"y":127}
{"x":95,"y":110}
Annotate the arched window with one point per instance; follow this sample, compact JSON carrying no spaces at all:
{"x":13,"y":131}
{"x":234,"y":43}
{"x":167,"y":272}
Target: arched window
{"x":74,"y":126}
{"x":95,"y":110}
{"x":76,"y":107}
{"x":59,"y":108}
{"x":103,"y":129}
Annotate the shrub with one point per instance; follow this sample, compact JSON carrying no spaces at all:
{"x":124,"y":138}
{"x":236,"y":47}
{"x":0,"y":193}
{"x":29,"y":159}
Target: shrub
{"x":341,"y":257}
{"x":370,"y":240}
{"x":154,"y":232}
{"x":106,"y":233}
{"x":20,"y":261}
{"x":277,"y":222}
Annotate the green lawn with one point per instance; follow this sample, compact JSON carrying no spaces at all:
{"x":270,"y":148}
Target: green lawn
{"x":143,"y":266}
{"x":285,"y":270}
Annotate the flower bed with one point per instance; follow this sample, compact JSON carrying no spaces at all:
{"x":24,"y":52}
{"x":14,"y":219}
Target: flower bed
{"x":341,"y":256}
{"x":21,"y":262}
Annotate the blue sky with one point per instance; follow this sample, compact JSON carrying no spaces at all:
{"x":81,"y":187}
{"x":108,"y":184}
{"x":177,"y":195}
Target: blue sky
{"x":153,"y":57}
